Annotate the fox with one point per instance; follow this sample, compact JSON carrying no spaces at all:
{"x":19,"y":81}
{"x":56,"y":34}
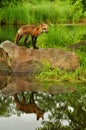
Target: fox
{"x":30,"y":107}
{"x":32,"y":30}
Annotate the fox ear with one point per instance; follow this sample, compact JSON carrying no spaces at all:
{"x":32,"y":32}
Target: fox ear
{"x":42,"y":23}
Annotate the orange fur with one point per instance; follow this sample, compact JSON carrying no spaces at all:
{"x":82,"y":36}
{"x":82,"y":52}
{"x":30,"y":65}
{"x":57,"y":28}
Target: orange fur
{"x":31,"y":107}
{"x":32,"y":30}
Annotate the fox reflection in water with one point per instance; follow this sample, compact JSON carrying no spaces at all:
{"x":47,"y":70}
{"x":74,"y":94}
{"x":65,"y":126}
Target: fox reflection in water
{"x":30,"y":107}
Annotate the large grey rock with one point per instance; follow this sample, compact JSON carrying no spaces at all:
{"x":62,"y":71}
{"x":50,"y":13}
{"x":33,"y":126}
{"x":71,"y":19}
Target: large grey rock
{"x":20,"y":59}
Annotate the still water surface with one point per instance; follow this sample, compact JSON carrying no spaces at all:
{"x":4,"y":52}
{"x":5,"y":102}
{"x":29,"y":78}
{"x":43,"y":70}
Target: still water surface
{"x":27,"y":104}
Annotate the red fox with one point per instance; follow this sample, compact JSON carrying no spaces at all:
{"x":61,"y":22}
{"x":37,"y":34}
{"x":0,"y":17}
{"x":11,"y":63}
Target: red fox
{"x":30,"y":107}
{"x":32,"y":30}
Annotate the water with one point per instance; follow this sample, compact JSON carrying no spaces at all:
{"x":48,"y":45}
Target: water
{"x":27,"y":104}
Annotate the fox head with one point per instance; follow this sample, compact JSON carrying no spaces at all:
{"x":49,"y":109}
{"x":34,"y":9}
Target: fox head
{"x":43,"y":28}
{"x":40,"y":114}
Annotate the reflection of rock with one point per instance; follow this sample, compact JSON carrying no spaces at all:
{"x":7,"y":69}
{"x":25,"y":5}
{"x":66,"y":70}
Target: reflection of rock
{"x":4,"y":65}
{"x":21,"y":59}
{"x":16,"y":83}
{"x":3,"y":81}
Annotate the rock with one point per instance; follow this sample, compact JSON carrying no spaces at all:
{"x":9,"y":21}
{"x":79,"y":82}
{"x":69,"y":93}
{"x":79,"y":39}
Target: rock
{"x":22,"y":59}
{"x":77,"y":46}
{"x":4,"y":60}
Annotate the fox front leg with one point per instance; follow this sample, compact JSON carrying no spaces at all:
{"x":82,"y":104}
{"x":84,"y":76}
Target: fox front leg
{"x":34,"y":42}
{"x":32,"y":97}
{"x":25,"y":40}
{"x":23,"y":98}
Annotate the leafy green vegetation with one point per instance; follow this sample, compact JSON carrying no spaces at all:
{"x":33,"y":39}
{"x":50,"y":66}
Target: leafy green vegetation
{"x":21,"y":12}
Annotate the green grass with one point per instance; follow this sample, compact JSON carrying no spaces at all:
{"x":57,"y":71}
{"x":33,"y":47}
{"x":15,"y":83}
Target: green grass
{"x":59,"y":75}
{"x":13,"y":15}
{"x":44,"y":11}
{"x":61,"y":36}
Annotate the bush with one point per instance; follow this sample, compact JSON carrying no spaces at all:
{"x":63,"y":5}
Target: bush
{"x":77,"y":11}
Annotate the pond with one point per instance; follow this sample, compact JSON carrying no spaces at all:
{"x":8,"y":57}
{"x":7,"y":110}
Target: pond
{"x":28,"y":104}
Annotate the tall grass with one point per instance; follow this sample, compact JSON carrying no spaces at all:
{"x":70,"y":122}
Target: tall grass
{"x":37,"y":12}
{"x":61,"y":36}
{"x":14,"y":15}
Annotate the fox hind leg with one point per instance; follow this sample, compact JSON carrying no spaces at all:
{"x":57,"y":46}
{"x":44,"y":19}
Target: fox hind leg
{"x":18,"y":37}
{"x":16,"y":98}
{"x":31,"y":97}
{"x":23,"y":98}
{"x":25,"y":40}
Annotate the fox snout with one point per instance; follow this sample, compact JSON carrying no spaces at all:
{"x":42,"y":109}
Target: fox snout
{"x":46,"y":31}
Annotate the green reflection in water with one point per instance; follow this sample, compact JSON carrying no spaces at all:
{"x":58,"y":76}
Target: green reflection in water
{"x":61,"y":107}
